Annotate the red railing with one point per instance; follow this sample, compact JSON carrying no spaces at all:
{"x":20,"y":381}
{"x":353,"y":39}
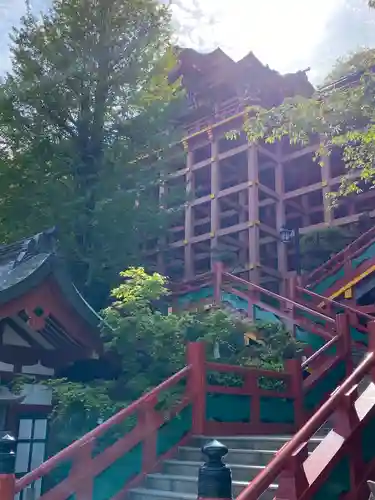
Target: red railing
{"x":337,"y":261}
{"x":221,"y":280}
{"x":300,"y":476}
{"x":86,"y":464}
{"x":87,"y":461}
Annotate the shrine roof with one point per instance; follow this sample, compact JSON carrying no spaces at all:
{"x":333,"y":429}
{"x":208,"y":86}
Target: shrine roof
{"x":28,"y":262}
{"x":200,"y":72}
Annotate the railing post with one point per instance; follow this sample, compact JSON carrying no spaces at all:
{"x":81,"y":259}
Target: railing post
{"x":196,"y":358}
{"x":294,"y":368}
{"x":218,"y":269}
{"x":214,"y":477}
{"x":292,"y":481}
{"x":147,"y":417}
{"x":7,"y":463}
{"x":82,"y":459}
{"x":371,"y":344}
{"x":345,"y":342}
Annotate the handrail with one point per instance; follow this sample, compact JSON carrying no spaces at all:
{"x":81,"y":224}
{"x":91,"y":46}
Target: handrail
{"x":67,"y":452}
{"x":278,"y":297}
{"x":337,"y":258}
{"x":262,"y":481}
{"x":335,"y":303}
{"x":317,"y":353}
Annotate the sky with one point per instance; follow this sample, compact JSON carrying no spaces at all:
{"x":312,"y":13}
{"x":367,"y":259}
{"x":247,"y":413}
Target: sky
{"x":282,"y":33}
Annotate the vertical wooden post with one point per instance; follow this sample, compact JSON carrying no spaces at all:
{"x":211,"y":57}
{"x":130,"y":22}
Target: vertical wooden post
{"x":282,"y":260}
{"x":215,"y":188}
{"x":345,"y":421}
{"x":7,"y":463}
{"x":371,"y":344}
{"x":294,"y":368}
{"x":251,"y":385}
{"x":253,"y":176}
{"x":147,"y":421}
{"x":82,"y":459}
{"x":326,"y":188}
{"x":345,"y":343}
{"x":292,"y":481}
{"x":160,"y":263}
{"x":189,"y":219}
{"x":218,"y":269}
{"x":196,"y":358}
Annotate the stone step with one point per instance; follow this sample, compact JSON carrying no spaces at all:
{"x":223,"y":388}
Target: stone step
{"x":147,"y":494}
{"x":271,"y":443}
{"x":189,"y":484}
{"x":240,"y":456}
{"x":188,"y":468}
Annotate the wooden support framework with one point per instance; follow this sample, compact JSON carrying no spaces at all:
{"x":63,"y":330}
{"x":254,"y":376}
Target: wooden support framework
{"x":252,"y":209}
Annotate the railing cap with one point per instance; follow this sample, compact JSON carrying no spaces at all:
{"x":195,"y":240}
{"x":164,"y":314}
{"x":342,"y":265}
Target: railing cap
{"x":214,"y":450}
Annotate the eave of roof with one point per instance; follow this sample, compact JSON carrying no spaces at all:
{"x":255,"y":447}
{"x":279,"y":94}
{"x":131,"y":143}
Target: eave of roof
{"x":22,"y":272}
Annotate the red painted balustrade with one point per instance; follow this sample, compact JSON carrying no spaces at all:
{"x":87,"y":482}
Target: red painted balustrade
{"x":302,"y":307}
{"x":340,"y":466}
{"x":260,"y":401}
{"x":342,"y":258}
{"x":283,"y":307}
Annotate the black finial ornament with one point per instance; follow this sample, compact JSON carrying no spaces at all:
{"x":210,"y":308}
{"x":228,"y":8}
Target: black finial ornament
{"x":7,"y":453}
{"x":215,"y":478}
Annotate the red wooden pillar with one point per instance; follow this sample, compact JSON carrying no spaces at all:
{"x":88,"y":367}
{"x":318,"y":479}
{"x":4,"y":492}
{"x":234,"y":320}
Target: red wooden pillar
{"x":251,"y":385}
{"x":147,"y":420}
{"x":82,"y":460}
{"x":345,"y":421}
{"x":345,"y":343}
{"x":371,"y":344}
{"x":292,"y":481}
{"x":294,"y":368}
{"x":196,"y":358}
{"x":218,"y":269}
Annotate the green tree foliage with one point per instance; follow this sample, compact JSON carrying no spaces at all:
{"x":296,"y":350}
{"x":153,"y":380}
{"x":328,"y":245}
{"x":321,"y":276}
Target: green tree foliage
{"x":341,"y":117}
{"x":147,"y":347}
{"x":86,"y":99}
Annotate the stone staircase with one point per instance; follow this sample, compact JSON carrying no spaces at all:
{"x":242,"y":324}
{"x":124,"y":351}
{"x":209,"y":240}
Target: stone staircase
{"x":247,"y":457}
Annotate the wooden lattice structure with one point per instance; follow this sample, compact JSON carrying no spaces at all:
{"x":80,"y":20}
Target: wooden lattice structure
{"x":239,"y":194}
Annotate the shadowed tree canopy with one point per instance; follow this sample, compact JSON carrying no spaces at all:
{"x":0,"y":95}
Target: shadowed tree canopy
{"x":341,"y":115}
{"x":86,"y":98}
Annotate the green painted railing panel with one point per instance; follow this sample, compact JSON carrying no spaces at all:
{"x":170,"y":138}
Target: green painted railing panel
{"x":271,"y":301}
{"x":114,"y":478}
{"x":315,"y":396}
{"x":309,"y":338}
{"x":56,"y":475}
{"x":261,"y":314}
{"x":367,"y":441}
{"x":234,"y":301}
{"x":337,"y":483}
{"x":192,"y":297}
{"x":171,"y":433}
{"x":367,"y":254}
{"x":311,"y":317}
{"x":358,"y":336}
{"x":228,"y":407}
{"x":329,"y":281}
{"x":276,"y":410}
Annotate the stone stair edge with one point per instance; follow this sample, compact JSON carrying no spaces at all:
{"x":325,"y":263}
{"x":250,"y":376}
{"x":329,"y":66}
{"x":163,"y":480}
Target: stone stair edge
{"x":252,"y":438}
{"x":172,"y":477}
{"x":163,"y":493}
{"x":233,"y":450}
{"x":174,"y":461}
